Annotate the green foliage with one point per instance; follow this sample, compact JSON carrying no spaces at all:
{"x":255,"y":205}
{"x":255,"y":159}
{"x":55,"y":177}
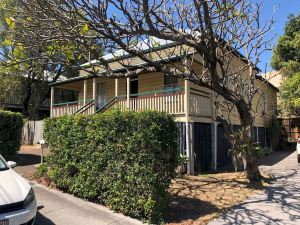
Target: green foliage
{"x":124,"y":160}
{"x":11,"y":125}
{"x":286,"y":58}
{"x":41,"y":170}
{"x":9,"y":85}
{"x":286,"y":55}
{"x":242,"y":145}
{"x":261,"y":151}
{"x":290,"y":92}
{"x":274,"y":133}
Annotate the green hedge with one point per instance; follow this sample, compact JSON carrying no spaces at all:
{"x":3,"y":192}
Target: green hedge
{"x":124,"y":160}
{"x":11,"y":125}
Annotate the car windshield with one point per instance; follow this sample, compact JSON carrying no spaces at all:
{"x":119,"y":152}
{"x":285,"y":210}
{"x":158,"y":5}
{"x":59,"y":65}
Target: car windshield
{"x":2,"y":165}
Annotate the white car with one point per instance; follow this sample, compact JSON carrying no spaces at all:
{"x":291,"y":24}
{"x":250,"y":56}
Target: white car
{"x":17,"y":200}
{"x":298,"y":149}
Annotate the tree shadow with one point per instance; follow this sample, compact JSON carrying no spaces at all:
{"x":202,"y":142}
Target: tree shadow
{"x":27,"y":159}
{"x":279,"y":205}
{"x":274,"y":158}
{"x":195,"y":197}
{"x":185,"y":208}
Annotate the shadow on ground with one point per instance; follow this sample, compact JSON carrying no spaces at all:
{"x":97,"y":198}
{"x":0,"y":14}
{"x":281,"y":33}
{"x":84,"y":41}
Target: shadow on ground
{"x":201,"y":198}
{"x":279,"y":204}
{"x":185,"y":208}
{"x":275,"y":157}
{"x":42,"y":220}
{"x":27,"y":159}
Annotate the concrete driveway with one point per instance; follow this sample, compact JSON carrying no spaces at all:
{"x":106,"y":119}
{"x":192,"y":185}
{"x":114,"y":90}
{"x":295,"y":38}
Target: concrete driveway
{"x":279,"y":204}
{"x":55,"y":207}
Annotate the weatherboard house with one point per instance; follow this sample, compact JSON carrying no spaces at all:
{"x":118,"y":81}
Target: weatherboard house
{"x":202,"y":137}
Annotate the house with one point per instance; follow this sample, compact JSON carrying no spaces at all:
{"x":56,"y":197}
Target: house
{"x":291,"y":123}
{"x":14,"y":103}
{"x":202,"y":138}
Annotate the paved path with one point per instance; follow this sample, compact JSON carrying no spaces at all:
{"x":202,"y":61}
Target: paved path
{"x":55,"y":207}
{"x":279,"y":204}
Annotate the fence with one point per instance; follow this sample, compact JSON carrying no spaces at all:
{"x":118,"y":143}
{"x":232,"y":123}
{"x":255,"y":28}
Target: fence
{"x":32,"y":132}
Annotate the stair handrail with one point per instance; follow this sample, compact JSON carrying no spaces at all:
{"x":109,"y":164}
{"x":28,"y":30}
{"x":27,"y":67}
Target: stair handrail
{"x":105,"y":107}
{"x":85,"y":107}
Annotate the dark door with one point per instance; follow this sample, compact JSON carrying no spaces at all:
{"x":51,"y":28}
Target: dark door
{"x":202,"y":146}
{"x":223,"y":156}
{"x":134,"y":87}
{"x":262,"y":136}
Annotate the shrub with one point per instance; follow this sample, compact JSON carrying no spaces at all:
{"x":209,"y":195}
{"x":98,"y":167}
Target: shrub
{"x":41,"y":171}
{"x":11,"y":125}
{"x":124,"y":160}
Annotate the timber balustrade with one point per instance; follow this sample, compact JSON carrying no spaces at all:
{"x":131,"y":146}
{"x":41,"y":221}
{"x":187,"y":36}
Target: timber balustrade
{"x":170,"y":101}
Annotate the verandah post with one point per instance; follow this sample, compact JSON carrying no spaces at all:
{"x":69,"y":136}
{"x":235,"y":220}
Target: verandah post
{"x":84,"y":91}
{"x":188,"y":134}
{"x":51,"y":101}
{"x":116,"y":87}
{"x":128,"y":93}
{"x":94,"y":93}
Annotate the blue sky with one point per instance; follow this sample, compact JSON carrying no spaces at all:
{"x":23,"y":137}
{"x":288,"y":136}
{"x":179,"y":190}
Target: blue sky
{"x":284,"y":8}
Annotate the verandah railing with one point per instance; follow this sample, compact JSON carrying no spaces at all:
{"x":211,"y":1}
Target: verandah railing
{"x":170,"y":101}
{"x":70,"y":108}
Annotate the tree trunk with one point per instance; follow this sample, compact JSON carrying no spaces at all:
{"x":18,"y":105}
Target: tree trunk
{"x":249,"y":158}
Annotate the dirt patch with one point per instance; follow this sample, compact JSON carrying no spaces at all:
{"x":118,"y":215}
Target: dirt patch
{"x":29,"y":175}
{"x":30,"y":147}
{"x":199,"y":199}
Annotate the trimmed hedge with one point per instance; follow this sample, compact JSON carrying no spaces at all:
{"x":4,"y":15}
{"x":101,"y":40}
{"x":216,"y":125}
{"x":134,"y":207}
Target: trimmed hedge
{"x":11,"y":125}
{"x":125,"y":160}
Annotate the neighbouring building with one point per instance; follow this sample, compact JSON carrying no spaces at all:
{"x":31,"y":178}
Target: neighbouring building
{"x":291,"y":123}
{"x":14,"y":103}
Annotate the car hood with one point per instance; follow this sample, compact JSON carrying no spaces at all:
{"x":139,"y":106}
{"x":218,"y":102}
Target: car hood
{"x":13,"y":188}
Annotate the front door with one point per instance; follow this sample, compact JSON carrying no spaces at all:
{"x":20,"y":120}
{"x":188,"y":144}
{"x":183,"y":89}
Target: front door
{"x":134,"y":87}
{"x":101,"y":97}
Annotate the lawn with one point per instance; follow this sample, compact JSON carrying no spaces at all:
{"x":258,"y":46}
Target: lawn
{"x":199,"y":199}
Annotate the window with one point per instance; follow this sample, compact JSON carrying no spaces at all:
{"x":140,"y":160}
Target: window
{"x":65,"y":95}
{"x":170,"y":83}
{"x":264,"y":103}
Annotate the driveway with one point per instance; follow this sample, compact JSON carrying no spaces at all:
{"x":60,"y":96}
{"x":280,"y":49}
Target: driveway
{"x":55,"y":207}
{"x":279,"y":204}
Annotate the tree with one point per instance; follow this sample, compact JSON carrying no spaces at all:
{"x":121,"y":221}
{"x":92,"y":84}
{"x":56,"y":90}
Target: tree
{"x":286,"y":58}
{"x":36,"y":66}
{"x":290,"y":94}
{"x":8,"y":86}
{"x":206,"y":33}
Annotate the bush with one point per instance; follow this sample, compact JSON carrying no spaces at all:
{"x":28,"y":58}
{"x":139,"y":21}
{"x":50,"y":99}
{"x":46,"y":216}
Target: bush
{"x":125,"y":160}
{"x":41,"y":171}
{"x":11,"y":125}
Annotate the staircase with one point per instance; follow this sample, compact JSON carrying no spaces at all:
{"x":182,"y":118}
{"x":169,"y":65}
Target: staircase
{"x":89,"y":107}
{"x":86,"y":109}
{"x":107,"y":105}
